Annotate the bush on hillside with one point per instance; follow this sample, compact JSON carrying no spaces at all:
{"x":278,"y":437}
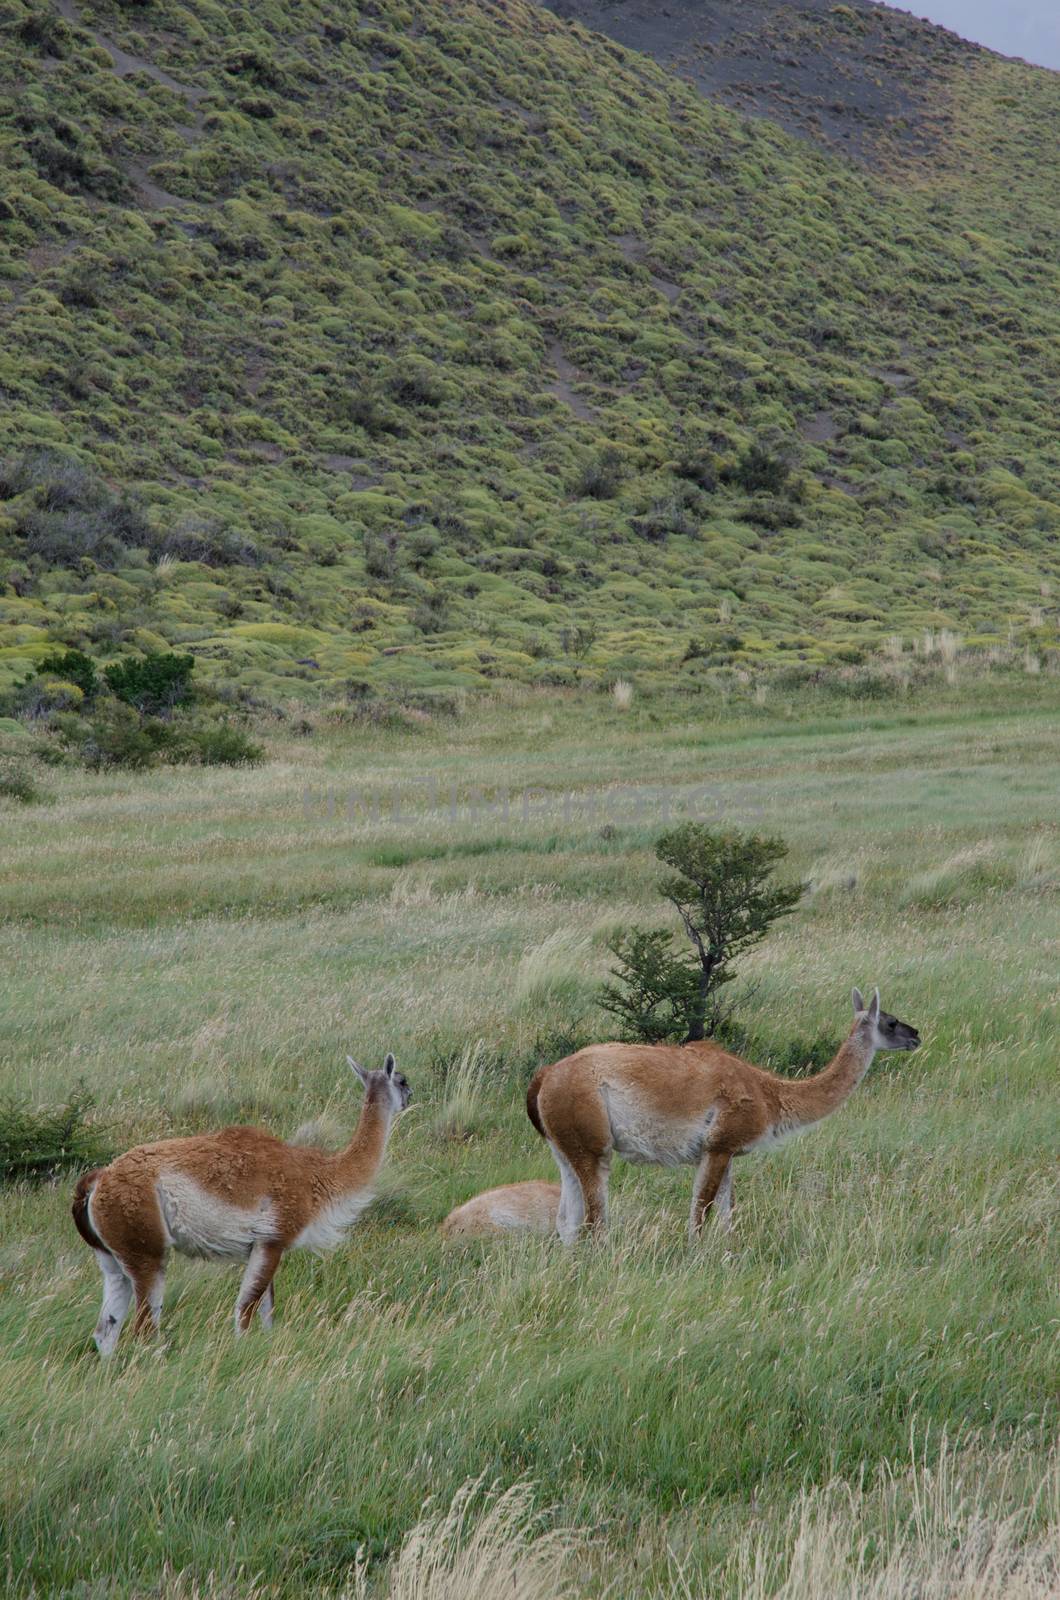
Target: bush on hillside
{"x":758,"y":472}
{"x":699,"y":467}
{"x":66,"y":512}
{"x":71,"y":666}
{"x":600,"y":477}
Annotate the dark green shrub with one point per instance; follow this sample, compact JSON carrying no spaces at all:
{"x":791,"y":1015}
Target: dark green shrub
{"x":758,"y":472}
{"x":600,"y":477}
{"x":36,"y":1144}
{"x":219,"y":744}
{"x":698,"y":467}
{"x":152,"y":684}
{"x":416,"y":386}
{"x":44,"y":32}
{"x":73,"y":666}
{"x":206,"y":540}
{"x":71,"y":513}
{"x":117,"y":737}
{"x":365,"y":408}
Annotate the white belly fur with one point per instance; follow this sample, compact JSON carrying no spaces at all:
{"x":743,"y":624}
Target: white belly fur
{"x":328,"y":1227}
{"x":643,"y":1135}
{"x":199,"y":1223}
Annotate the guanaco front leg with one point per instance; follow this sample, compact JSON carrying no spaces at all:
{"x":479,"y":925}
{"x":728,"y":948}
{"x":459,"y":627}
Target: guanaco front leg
{"x":713,"y":1186}
{"x":256,"y":1289}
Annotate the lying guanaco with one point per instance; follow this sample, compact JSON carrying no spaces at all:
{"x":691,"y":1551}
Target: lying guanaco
{"x":237,"y":1195}
{"x":692,"y":1104}
{"x":514,"y":1208}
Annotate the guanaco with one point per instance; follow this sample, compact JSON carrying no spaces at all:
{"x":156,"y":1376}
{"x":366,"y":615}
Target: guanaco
{"x":692,"y":1104}
{"x":237,"y":1195}
{"x":514,"y":1208}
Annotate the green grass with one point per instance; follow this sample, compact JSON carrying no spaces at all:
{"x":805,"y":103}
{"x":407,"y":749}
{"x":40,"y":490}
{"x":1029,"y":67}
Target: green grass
{"x":205,"y":945}
{"x":396,"y":373}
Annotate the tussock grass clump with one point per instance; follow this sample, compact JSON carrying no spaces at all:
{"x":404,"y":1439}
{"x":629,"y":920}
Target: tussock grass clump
{"x":490,"y":1546}
{"x":553,"y":971}
{"x":963,"y":877}
{"x":958,"y":1529}
{"x":463,"y":1087}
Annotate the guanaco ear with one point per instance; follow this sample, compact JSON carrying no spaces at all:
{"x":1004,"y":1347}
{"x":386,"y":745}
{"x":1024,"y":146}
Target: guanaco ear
{"x":874,"y":1008}
{"x":859,"y":1004}
{"x":359,"y":1070}
{"x":389,"y":1064}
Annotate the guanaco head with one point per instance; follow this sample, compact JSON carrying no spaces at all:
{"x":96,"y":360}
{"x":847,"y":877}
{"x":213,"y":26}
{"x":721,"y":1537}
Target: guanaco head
{"x":388,"y":1084}
{"x":885,"y":1031}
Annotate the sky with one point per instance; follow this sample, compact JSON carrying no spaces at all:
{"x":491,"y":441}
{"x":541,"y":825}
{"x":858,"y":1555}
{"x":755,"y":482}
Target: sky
{"x":1027,"y":28}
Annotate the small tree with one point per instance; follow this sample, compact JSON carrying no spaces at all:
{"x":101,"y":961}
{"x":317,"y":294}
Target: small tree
{"x":720,"y":886}
{"x":656,"y":989}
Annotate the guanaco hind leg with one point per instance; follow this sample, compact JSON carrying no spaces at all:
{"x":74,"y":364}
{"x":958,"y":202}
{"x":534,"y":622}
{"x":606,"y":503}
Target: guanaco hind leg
{"x":149,"y":1284}
{"x":571,"y":1213}
{"x":594,"y":1173}
{"x":579,"y":1130}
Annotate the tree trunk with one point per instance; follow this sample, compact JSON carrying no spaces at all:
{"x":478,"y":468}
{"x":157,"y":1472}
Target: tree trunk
{"x":698,"y":1020}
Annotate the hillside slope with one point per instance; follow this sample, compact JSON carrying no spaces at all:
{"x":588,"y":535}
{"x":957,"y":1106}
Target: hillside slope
{"x":447,"y":342}
{"x":908,"y":99}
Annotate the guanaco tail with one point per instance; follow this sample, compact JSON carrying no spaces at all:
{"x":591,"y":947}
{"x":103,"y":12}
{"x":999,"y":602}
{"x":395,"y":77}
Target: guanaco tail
{"x":692,"y":1104}
{"x":237,"y":1195}
{"x":514,"y":1208}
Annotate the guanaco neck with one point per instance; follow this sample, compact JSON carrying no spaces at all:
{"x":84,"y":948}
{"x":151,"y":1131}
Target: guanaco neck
{"x":362,"y":1156}
{"x":810,"y":1099}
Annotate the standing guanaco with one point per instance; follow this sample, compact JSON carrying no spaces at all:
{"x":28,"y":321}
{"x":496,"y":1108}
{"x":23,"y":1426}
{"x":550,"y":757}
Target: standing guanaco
{"x":237,"y":1195}
{"x":693,"y":1104}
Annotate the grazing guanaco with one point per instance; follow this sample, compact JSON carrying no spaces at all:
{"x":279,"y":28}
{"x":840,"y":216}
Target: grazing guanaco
{"x":514,"y":1208}
{"x":692,"y":1104}
{"x":237,"y":1195}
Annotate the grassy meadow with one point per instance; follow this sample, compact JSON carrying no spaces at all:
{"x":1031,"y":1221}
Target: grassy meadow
{"x":855,"y":1394}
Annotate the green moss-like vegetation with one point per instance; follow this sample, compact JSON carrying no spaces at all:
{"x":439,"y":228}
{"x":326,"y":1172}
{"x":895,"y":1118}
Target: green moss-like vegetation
{"x":431,"y":344}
